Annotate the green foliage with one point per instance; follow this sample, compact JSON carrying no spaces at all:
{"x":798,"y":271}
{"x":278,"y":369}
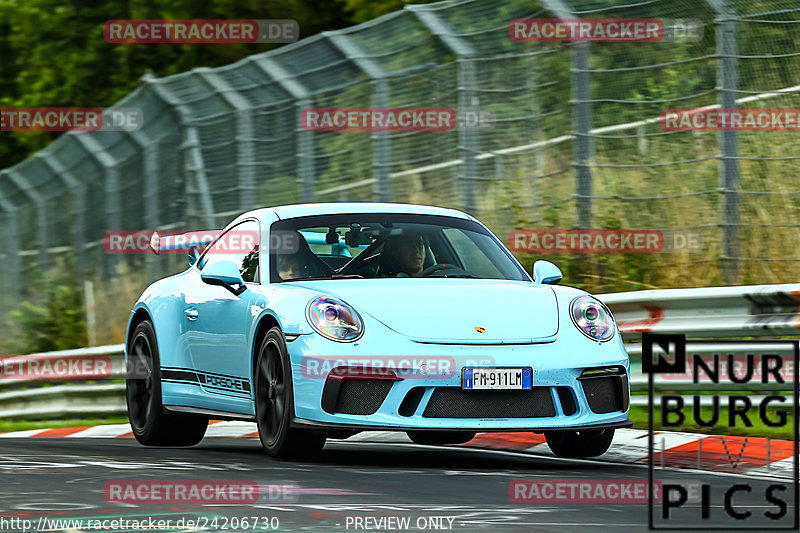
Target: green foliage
{"x":53,"y":54}
{"x":364,"y":10}
{"x":23,"y":425}
{"x":52,"y":319}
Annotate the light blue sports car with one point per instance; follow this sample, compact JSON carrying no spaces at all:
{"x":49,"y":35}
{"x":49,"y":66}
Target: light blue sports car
{"x":320,"y":321}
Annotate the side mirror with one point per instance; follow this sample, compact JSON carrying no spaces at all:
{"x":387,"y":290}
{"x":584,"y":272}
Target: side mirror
{"x":225,"y":274}
{"x":546,"y":272}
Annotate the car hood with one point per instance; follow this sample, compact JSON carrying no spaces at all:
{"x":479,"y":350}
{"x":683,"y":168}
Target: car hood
{"x":451,"y":310}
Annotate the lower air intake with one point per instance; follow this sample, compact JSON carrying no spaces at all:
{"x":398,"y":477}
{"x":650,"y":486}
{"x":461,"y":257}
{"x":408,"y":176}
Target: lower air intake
{"x":567,"y":399}
{"x":356,"y":396}
{"x":453,"y":402}
{"x":605,"y":394}
{"x":410,"y":403}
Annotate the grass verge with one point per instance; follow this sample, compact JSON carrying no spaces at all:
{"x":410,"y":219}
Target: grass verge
{"x":639,"y":416}
{"x":22,"y":425}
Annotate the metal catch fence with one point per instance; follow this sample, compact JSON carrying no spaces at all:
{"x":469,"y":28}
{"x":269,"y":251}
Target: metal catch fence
{"x":575,"y":142}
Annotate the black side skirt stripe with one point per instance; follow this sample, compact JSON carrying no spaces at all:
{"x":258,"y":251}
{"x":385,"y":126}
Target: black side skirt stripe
{"x":207,"y":380}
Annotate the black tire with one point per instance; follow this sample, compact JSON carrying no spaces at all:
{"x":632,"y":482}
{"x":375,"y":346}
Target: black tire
{"x":275,"y":404}
{"x":150,"y":424}
{"x":440,"y":437}
{"x":586,"y":443}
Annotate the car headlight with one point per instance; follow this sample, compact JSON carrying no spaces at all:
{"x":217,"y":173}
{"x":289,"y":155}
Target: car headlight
{"x":592,"y":318}
{"x":334,"y":319}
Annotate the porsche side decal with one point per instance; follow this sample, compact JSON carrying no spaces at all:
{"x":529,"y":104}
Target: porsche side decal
{"x":206,"y":379}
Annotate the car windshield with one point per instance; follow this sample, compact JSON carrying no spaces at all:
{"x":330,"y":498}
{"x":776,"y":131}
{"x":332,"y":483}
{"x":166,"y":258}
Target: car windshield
{"x":387,"y":246}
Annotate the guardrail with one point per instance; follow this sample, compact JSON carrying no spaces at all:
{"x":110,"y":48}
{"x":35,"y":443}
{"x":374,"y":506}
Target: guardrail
{"x":49,"y":399}
{"x":713,"y":312}
{"x":748,"y":311}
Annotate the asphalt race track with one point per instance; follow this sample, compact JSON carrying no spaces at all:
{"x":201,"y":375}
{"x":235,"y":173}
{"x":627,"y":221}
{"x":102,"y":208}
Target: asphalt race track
{"x":451,"y":488}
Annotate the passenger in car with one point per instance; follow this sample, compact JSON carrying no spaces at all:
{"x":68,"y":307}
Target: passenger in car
{"x":289,"y":266}
{"x":297,"y":261}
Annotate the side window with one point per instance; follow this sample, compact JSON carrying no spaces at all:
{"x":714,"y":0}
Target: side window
{"x":471,"y":255}
{"x":239,"y":245}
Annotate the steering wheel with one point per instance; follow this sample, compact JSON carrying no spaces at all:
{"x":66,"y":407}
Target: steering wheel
{"x":434,"y":268}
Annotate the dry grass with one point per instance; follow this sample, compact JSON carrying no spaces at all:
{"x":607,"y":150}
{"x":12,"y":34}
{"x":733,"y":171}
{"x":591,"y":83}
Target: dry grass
{"x":521,"y":194}
{"x":114,"y":301}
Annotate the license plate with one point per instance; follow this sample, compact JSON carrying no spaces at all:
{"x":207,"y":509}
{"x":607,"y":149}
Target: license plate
{"x":497,"y":378}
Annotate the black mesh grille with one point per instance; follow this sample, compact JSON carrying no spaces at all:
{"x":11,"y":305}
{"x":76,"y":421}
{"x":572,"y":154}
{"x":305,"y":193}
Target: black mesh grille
{"x":567,"y":399}
{"x":604,"y":394}
{"x":362,"y":396}
{"x":453,"y":402}
{"x":410,"y":403}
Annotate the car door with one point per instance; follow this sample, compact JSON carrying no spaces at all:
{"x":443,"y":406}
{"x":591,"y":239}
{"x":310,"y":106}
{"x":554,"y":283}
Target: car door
{"x":219,"y":321}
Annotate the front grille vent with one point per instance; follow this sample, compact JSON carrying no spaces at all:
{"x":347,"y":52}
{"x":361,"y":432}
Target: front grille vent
{"x":453,"y":402}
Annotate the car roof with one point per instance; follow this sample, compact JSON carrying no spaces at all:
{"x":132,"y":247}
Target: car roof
{"x":335,"y":208}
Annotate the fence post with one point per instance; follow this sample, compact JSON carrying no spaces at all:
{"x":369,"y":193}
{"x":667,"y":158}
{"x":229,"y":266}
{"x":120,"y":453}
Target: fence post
{"x":244,"y":138}
{"x":41,"y":212}
{"x":91,"y":317}
{"x":78,"y":191}
{"x":467,"y":136}
{"x":381,"y":148}
{"x":581,"y":91}
{"x":193,"y":163}
{"x":305,"y":139}
{"x":728,"y":84}
{"x":536,"y":111}
{"x":11,"y":248}
{"x":113,"y":205}
{"x":152,"y":202}
{"x":582,"y":117}
{"x":305,"y":155}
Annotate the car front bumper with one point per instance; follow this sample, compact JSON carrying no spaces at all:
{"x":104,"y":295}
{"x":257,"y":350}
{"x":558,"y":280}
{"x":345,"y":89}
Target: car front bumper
{"x":434,"y":400}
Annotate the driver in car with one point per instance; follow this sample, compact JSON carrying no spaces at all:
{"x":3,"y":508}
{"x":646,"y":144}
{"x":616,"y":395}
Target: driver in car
{"x":406,"y":254}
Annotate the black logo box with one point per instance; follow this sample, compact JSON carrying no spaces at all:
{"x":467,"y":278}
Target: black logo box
{"x":663,"y":366}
